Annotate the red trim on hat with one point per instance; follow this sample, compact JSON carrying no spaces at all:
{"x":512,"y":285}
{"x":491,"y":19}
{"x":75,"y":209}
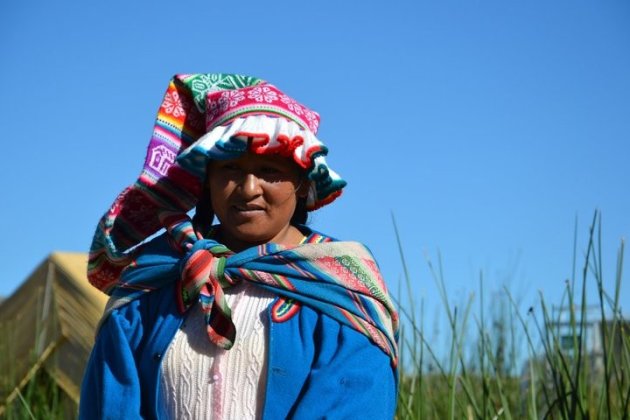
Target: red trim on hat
{"x":260,"y":145}
{"x":321,"y":203}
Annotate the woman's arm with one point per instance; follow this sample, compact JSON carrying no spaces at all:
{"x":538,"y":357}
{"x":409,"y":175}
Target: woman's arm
{"x":111,"y":384}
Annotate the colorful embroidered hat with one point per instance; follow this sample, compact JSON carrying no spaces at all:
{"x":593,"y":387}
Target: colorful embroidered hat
{"x":203,"y":117}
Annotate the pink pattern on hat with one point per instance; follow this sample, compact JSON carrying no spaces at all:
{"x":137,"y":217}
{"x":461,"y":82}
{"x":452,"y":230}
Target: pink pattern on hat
{"x":265,"y":99}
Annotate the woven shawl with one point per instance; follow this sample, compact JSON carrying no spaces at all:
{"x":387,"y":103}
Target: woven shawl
{"x":339,"y":279}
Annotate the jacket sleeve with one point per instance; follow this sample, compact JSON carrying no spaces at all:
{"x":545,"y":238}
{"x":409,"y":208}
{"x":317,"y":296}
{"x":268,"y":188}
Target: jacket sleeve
{"x":111,"y":385}
{"x":350,"y":377}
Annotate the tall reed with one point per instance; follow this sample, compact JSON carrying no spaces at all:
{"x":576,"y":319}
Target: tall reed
{"x":563,"y":374}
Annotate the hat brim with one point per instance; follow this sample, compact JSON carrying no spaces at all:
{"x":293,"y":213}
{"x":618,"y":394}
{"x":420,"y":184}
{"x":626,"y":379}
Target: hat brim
{"x":265,"y":134}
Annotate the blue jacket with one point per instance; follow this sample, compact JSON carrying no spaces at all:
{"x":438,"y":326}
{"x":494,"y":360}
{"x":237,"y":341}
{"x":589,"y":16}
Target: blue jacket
{"x":317,"y":368}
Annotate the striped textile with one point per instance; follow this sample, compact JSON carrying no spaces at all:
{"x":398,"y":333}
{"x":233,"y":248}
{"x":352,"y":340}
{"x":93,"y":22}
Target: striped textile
{"x":339,"y":279}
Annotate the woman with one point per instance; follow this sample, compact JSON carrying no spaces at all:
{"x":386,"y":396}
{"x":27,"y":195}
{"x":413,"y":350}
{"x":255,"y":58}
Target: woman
{"x":258,"y":316}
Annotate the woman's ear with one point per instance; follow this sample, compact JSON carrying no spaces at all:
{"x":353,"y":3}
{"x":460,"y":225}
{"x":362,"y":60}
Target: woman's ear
{"x":303,"y":187}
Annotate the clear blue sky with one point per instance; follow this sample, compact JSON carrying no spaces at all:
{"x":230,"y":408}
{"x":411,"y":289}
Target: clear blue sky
{"x":486,"y":127}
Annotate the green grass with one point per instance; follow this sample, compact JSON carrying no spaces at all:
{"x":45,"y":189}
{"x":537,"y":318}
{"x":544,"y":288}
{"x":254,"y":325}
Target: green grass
{"x":483,"y":375}
{"x":41,"y":398}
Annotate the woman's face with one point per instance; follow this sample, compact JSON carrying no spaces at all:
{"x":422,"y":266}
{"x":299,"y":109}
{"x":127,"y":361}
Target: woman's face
{"x":254,"y":198}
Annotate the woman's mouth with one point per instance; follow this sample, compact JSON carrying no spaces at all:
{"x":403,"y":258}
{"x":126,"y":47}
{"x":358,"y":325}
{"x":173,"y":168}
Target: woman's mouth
{"x":248,"y":209}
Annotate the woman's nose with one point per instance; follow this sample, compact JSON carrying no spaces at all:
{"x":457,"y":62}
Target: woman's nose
{"x":251,"y":185}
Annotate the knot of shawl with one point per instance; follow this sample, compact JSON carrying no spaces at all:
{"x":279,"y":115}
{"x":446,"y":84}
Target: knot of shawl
{"x":203,"y":278}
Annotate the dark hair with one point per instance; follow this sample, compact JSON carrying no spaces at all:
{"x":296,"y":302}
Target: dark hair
{"x":204,"y":214}
{"x":300,"y":215}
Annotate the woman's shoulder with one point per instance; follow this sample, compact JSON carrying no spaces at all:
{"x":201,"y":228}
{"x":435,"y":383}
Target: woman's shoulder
{"x":312,"y":236}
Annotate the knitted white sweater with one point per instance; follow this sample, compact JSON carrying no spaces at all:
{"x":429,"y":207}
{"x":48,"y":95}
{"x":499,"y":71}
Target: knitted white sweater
{"x":201,"y":381}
